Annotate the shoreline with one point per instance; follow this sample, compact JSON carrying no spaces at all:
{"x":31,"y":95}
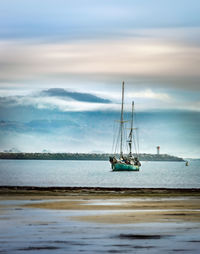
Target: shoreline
{"x":84,"y":156}
{"x":108,"y":190}
{"x":22,"y":192}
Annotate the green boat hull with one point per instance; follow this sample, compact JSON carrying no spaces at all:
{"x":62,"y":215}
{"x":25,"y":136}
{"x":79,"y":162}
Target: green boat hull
{"x":124,"y":167}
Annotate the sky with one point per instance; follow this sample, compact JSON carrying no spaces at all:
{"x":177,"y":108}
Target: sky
{"x":62,"y":63}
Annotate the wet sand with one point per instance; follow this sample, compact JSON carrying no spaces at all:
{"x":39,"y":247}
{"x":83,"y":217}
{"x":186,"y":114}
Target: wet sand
{"x":143,"y":217}
{"x":92,"y":221}
{"x":119,"y":203}
{"x":141,"y":210}
{"x":128,"y":205}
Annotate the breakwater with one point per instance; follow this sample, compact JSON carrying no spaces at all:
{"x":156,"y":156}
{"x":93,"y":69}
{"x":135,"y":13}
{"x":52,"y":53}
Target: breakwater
{"x":83,"y":156}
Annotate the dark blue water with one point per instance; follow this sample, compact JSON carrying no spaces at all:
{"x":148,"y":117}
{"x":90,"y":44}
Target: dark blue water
{"x":98,"y":173}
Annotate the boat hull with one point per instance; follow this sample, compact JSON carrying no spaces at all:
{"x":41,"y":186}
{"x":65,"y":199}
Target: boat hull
{"x":124,"y":167}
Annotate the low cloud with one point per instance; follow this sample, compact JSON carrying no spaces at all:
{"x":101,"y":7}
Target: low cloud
{"x":64,"y":105}
{"x":86,"y":97}
{"x":60,"y":103}
{"x":38,"y":126}
{"x":149,"y":94}
{"x":64,"y":101}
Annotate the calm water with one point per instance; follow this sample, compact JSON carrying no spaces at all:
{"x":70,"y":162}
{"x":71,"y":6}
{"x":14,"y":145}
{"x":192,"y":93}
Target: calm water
{"x":98,"y":173}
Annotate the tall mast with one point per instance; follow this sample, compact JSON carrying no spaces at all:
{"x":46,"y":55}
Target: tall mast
{"x":122,"y":121}
{"x":130,"y":141}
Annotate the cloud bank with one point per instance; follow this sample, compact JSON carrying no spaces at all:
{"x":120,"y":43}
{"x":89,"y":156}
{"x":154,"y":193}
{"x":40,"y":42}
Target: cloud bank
{"x":137,"y":60}
{"x":68,"y":101}
{"x":59,"y":92}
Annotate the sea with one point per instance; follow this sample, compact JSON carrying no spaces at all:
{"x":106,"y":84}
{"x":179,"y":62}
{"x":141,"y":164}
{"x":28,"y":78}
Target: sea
{"x":66,"y":173}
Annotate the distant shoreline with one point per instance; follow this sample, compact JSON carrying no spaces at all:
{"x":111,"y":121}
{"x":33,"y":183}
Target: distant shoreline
{"x":82,"y":156}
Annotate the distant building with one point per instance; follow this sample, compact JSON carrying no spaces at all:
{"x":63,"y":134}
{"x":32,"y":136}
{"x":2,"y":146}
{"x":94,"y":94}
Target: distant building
{"x":46,"y":151}
{"x":12,"y":150}
{"x":158,"y":150}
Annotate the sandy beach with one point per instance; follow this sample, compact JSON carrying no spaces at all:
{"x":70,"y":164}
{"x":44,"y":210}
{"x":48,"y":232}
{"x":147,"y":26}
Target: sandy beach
{"x":144,"y":210}
{"x":136,"y":206}
{"x":90,"y":220}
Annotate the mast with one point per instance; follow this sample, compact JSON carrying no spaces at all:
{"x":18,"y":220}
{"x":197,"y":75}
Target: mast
{"x":122,"y":122}
{"x":130,"y":141}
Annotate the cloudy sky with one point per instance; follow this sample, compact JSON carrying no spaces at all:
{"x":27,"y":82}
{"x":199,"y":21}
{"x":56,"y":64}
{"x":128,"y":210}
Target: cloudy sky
{"x":62,"y":63}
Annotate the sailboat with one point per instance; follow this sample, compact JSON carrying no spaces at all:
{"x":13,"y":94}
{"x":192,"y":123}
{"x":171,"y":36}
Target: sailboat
{"x":129,"y":162}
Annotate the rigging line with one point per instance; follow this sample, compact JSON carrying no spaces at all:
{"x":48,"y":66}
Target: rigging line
{"x":137,"y":133}
{"x":127,"y":143}
{"x":123,"y":133}
{"x":122,"y":122}
{"x":135,"y":145}
{"x":125,"y":138}
{"x":114,"y":136}
{"x":117,"y":140}
{"x":113,"y":139}
{"x":138,"y":141}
